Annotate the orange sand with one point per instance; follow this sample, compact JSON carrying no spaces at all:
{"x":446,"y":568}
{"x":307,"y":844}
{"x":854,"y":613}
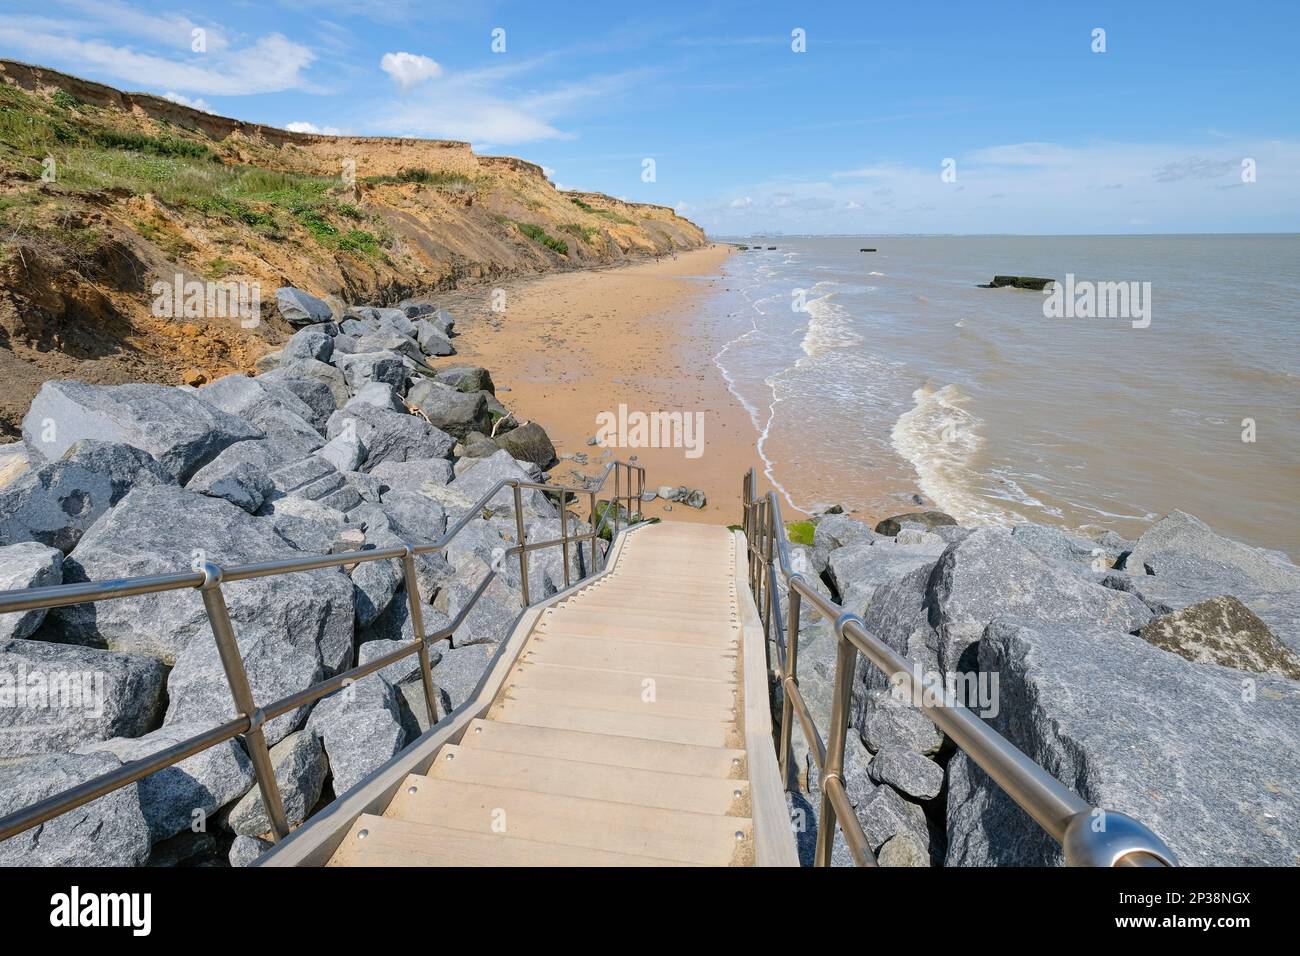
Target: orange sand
{"x":572,"y":345}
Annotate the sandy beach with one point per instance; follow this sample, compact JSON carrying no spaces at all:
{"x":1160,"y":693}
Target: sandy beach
{"x":569,"y":347}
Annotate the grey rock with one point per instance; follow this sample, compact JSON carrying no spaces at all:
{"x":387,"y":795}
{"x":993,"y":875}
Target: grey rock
{"x":1199,"y":754}
{"x":361,"y":368}
{"x":1222,"y":631}
{"x":478,"y":481}
{"x":914,"y":536}
{"x":1056,"y":546}
{"x":193,"y":790}
{"x":299,"y":765}
{"x":308,"y":343}
{"x":74,"y":695}
{"x":243,"y":483}
{"x":27,"y":565}
{"x":277,"y":413}
{"x":402,"y":671}
{"x":529,"y":442}
{"x":1183,"y":548}
{"x":312,"y":526}
{"x":182,"y":432}
{"x":315,"y":393}
{"x":455,"y":412}
{"x":904,"y":849}
{"x":55,"y":502}
{"x":391,"y":436}
{"x":832,"y":532}
{"x":291,"y":628}
{"x":312,"y":370}
{"x":415,"y":517}
{"x":491,"y":617}
{"x":922,"y":520}
{"x":247,"y":849}
{"x":908,"y":772}
{"x":884,"y":815}
{"x":368,"y":487}
{"x":466,"y":378}
{"x":1280,"y":610}
{"x":109,"y":831}
{"x":301,"y":308}
{"x":380,"y":395}
{"x":695,"y":499}
{"x":989,"y":574}
{"x":432,"y":338}
{"x":892,"y":723}
{"x":345,"y":451}
{"x":459,"y":672}
{"x":362,"y":728}
{"x":858,"y":569}
{"x":414,"y":475}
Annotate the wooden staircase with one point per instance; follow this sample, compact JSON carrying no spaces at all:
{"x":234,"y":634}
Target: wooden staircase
{"x":618,"y":737}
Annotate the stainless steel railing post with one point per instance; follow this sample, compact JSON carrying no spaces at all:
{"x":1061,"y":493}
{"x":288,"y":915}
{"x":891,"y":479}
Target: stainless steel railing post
{"x":231,"y":661}
{"x":615,"y":501}
{"x":595,"y":533}
{"x":564,"y":534}
{"x":417,"y":628}
{"x":789,"y":678}
{"x":840,"y":705}
{"x":519,"y":533}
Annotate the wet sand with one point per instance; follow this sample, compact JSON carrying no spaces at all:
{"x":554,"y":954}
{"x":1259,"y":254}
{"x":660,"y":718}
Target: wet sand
{"x":571,"y":346}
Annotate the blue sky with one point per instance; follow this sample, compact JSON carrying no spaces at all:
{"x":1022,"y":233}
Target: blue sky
{"x":747,"y":135}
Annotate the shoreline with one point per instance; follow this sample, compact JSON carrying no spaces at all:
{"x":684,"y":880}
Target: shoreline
{"x":570,"y":346}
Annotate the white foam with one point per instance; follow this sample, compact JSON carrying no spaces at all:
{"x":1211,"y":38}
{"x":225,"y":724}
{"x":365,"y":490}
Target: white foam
{"x":941,"y":439}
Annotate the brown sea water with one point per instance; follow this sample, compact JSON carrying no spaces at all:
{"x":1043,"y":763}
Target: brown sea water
{"x":893,"y":373}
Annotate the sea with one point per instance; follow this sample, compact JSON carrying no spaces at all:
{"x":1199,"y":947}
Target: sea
{"x":876,"y":377}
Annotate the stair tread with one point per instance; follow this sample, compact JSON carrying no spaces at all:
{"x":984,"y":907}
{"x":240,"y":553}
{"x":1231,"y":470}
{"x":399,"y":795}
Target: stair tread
{"x":681,"y":730}
{"x":617,"y":751}
{"x":390,"y":842}
{"x":697,"y":838}
{"x":649,"y":788}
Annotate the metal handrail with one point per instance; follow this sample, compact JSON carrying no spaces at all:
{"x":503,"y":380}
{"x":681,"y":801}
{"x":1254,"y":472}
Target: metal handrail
{"x":209,"y":577}
{"x":1089,"y":836}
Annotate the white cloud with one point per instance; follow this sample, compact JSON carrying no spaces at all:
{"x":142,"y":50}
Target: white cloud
{"x":197,"y":103}
{"x":301,"y":126}
{"x":270,"y":64}
{"x":741,"y":202}
{"x":409,"y":69}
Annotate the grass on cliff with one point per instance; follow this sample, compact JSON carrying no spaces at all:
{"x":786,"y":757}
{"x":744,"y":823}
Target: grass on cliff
{"x":585,"y":233}
{"x":538,"y":234}
{"x":445,"y":179}
{"x":178,"y":171}
{"x":603,"y":213}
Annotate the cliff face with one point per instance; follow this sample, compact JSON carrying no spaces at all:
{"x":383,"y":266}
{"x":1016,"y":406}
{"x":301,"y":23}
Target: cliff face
{"x":103,"y":193}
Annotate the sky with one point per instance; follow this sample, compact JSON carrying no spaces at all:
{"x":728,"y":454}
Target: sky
{"x":761,"y":118}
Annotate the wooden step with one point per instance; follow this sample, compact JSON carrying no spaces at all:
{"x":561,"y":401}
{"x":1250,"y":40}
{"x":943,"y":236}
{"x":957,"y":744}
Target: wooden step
{"x":577,"y":626}
{"x":592,"y":781}
{"x":618,"y":625}
{"x":640,"y":657}
{"x":700,"y":839}
{"x":580,"y":680}
{"x":720,"y":708}
{"x":604,"y":748}
{"x":665,"y":611}
{"x":390,"y":842}
{"x":678,"y":730}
